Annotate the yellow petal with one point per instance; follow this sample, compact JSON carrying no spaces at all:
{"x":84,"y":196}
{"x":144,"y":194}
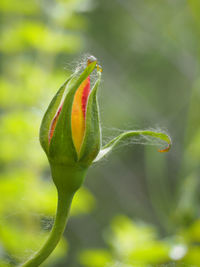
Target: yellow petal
{"x":79,"y":113}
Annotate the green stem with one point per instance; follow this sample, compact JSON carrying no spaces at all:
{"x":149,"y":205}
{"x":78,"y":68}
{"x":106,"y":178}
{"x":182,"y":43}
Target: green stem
{"x":64,"y":203}
{"x":68,"y":180}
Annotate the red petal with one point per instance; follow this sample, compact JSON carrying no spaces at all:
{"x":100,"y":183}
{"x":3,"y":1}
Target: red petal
{"x":86,"y":92}
{"x":53,"y":124}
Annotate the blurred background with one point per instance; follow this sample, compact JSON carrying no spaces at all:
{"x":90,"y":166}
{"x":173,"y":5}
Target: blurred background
{"x":138,"y":207}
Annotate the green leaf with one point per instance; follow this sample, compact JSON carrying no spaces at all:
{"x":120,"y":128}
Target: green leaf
{"x":96,"y":258}
{"x":195,"y":9}
{"x":19,"y":37}
{"x":49,"y":115}
{"x":129,"y":134}
{"x":19,"y":7}
{"x":92,"y":139}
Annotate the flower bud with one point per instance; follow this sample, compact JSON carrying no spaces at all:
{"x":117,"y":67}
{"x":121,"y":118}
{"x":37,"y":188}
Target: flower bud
{"x":70,"y":130}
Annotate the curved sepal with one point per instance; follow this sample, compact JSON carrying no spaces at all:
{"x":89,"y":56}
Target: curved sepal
{"x":129,"y":134}
{"x":92,"y":139}
{"x":49,"y":115}
{"x":62,"y":149}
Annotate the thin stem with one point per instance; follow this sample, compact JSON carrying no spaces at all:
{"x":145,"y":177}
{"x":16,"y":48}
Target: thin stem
{"x":64,"y":203}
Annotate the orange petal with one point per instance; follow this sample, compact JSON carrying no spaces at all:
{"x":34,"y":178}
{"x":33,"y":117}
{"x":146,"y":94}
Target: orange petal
{"x":79,"y":112}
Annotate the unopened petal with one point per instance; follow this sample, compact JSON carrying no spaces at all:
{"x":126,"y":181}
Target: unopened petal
{"x":79,"y":112}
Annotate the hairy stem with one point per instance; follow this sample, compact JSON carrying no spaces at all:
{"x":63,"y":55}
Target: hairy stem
{"x":64,"y":203}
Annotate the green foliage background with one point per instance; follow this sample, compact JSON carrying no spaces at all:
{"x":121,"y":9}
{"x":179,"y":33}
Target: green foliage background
{"x":138,"y":207}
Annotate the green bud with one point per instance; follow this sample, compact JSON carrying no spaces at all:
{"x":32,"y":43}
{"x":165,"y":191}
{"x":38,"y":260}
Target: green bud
{"x":70,"y":130}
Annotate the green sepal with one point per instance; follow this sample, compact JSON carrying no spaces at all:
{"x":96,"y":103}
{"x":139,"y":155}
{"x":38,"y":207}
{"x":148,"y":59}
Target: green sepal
{"x":68,"y":178}
{"x":129,"y":134}
{"x":49,"y":115}
{"x":92,"y":138}
{"x":62,"y":149}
